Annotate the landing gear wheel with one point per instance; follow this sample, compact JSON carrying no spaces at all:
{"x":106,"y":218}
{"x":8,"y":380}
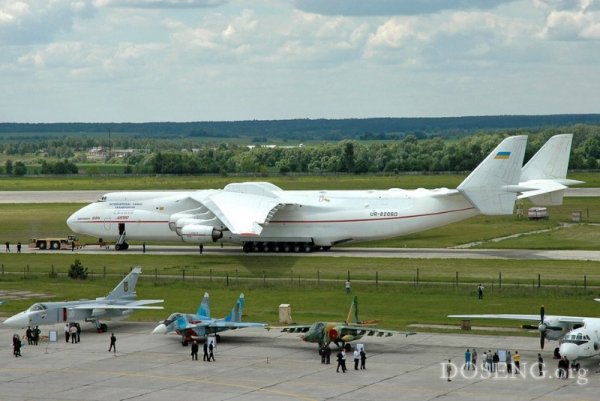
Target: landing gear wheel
{"x":103,"y":328}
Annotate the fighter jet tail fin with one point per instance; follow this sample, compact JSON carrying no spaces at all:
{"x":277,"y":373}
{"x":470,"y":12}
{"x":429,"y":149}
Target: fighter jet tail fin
{"x":204,"y":308}
{"x":353,"y":312}
{"x":126,"y":288}
{"x":236,"y":312}
{"x":493,"y":186}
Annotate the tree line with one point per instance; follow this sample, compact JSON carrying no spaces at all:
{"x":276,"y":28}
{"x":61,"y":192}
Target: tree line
{"x":409,"y":154}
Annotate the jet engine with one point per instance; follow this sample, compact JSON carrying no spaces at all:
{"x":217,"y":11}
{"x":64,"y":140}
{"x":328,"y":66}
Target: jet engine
{"x":198,"y":233}
{"x":348,"y":337}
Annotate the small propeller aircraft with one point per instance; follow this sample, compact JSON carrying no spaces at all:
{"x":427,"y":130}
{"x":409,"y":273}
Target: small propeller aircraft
{"x":265,"y":218}
{"x":324,"y":333}
{"x":119,"y":303}
{"x":579,"y":337}
{"x":201,"y":325}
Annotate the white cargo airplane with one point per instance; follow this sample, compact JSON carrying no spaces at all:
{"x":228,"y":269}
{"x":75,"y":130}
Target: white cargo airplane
{"x":119,"y":303}
{"x":263,"y":217}
{"x":579,"y":337}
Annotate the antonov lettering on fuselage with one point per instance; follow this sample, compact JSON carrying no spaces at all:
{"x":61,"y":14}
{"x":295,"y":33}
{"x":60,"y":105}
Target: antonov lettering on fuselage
{"x":263,"y":217}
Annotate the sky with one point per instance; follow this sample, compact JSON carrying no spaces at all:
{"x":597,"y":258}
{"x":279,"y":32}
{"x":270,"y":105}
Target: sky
{"x":225,"y":60}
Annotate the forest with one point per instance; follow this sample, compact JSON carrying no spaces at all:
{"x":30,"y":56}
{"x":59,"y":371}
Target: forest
{"x":69,"y":153}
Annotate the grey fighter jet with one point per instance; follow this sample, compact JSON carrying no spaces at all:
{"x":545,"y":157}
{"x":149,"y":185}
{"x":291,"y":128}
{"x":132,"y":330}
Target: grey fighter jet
{"x":119,"y":303}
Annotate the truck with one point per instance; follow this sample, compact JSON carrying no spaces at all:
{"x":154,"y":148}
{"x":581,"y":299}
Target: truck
{"x":55,"y":244}
{"x":537,"y":213}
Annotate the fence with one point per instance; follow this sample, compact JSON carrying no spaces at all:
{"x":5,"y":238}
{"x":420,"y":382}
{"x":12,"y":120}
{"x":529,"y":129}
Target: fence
{"x":416,"y":278}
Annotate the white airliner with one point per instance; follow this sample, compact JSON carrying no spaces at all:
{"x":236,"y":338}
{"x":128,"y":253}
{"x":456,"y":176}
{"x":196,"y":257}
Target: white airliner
{"x":579,"y":337}
{"x":263,"y":217}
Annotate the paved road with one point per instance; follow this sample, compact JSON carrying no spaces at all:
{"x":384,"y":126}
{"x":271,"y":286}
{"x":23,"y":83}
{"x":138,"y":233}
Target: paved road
{"x":253,"y":364}
{"x":405,"y":253}
{"x":91,"y":196}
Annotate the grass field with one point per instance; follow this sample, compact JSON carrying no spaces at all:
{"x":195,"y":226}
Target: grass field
{"x":341,"y":181}
{"x":314,"y":286}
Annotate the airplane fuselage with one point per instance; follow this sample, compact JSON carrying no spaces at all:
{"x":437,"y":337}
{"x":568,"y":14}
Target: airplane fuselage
{"x":322,"y":218}
{"x":583,"y":342}
{"x":61,"y":312}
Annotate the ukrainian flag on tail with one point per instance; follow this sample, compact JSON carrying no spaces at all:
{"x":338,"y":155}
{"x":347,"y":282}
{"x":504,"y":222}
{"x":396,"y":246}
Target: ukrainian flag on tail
{"x":502,"y":155}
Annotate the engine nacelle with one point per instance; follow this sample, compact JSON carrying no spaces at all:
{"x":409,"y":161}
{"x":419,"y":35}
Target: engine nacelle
{"x":348,"y":338}
{"x":198,"y":234}
{"x":176,"y":217}
{"x":183,"y":222}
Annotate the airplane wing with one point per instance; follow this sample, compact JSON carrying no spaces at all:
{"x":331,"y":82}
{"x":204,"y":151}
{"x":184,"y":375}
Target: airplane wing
{"x":532,"y":318}
{"x":141,"y":304}
{"x":218,"y":324}
{"x":365,"y":330}
{"x":303,"y":328}
{"x":355,"y":329}
{"x":244,"y":207}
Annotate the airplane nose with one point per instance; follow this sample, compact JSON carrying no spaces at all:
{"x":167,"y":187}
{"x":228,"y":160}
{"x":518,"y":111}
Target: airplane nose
{"x":71,"y":222}
{"x":160,"y":329}
{"x":569,"y":350}
{"x":18,"y":320}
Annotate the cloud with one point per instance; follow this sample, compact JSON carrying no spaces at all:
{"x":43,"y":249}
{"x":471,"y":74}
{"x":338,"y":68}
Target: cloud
{"x":391,"y":7}
{"x":177,"y":4}
{"x":39,"y":21}
{"x":582,"y":23}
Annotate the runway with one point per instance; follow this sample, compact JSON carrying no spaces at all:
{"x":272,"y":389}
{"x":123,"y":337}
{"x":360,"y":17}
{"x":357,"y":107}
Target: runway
{"x":351,"y":252}
{"x":255,"y":364}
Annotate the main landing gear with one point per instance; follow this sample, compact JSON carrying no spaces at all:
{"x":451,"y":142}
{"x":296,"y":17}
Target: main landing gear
{"x":296,"y":247}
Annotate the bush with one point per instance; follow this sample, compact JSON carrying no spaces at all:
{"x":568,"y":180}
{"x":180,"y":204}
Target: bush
{"x":77,"y":271}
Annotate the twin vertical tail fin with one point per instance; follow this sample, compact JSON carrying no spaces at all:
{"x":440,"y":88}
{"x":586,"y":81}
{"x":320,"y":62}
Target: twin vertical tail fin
{"x":493,"y":186}
{"x":236,"y":312}
{"x":204,"y":308}
{"x":126,"y":288}
{"x":545,"y":174}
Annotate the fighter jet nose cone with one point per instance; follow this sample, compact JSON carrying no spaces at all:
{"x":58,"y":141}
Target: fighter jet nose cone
{"x":18,"y":320}
{"x":160,"y":329}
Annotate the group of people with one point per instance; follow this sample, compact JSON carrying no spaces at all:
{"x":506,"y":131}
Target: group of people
{"x":208,"y":349}
{"x":359,"y":356}
{"x":491,"y":360}
{"x":33,"y":335}
{"x":72,"y":332}
{"x":8,"y":247}
{"x":564,"y":365}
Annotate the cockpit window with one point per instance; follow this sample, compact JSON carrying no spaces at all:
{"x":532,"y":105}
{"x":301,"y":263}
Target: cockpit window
{"x":317,"y":327}
{"x":37,"y":307}
{"x":577,"y":339}
{"x":102,"y":199}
